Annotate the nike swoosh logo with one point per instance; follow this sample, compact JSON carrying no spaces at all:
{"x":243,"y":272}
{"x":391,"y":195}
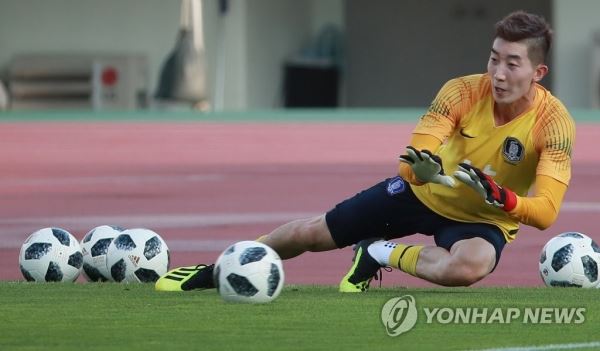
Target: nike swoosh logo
{"x":462,"y":132}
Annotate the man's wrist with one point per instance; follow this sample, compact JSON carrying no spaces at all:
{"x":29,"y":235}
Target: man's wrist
{"x":510,"y":202}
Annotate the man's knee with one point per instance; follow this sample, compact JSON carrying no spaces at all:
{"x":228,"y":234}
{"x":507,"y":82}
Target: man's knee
{"x":460,"y":273}
{"x":470,"y":261}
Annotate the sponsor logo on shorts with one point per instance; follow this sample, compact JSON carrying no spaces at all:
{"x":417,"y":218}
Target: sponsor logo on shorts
{"x":396,"y":186}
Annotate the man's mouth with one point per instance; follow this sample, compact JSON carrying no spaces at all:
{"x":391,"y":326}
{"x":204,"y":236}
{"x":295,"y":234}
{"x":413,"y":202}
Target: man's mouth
{"x":500,"y":90}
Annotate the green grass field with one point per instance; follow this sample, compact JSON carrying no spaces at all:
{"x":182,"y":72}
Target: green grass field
{"x":111,"y":316}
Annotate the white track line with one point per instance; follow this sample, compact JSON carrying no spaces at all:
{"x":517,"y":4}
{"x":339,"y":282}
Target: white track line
{"x":180,"y":245}
{"x":155,"y":220}
{"x":14,"y":230}
{"x":580,"y":207}
{"x":548,"y":347}
{"x":127,"y":179}
{"x":202,"y":245}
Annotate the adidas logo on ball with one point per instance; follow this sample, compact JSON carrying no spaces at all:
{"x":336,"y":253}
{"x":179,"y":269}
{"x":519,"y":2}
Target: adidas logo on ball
{"x":134,"y":259}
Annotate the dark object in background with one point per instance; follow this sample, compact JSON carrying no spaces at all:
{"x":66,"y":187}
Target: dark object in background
{"x":311,"y":77}
{"x":3,"y":97}
{"x":310,"y":85}
{"x":183,"y":75}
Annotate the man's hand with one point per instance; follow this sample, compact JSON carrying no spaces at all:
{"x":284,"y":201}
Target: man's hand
{"x":427,"y":166}
{"x":493,"y":193}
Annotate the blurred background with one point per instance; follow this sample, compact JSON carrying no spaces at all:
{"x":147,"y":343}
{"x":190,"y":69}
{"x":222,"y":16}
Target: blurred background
{"x":231,"y":55}
{"x":84,"y":81}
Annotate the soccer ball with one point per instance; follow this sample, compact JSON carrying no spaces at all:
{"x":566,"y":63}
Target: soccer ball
{"x":249,"y":271}
{"x":51,"y":255}
{"x":94,"y":246}
{"x":570,"y":259}
{"x":137,"y":255}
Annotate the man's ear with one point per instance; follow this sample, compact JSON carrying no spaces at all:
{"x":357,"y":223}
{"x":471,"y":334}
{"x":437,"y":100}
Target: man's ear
{"x":540,"y":72}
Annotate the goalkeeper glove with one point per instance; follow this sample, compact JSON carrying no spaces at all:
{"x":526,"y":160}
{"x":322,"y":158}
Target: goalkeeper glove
{"x":427,"y":166}
{"x":493,"y":193}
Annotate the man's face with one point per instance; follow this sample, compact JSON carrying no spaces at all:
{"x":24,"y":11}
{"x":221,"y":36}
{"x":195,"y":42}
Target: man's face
{"x":511,"y":71}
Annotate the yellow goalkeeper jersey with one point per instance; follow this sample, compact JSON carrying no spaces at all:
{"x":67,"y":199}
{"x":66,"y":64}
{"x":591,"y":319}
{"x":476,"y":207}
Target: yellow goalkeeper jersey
{"x":538,"y":142}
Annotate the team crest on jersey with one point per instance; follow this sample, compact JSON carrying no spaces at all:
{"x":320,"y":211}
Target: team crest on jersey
{"x":513,"y":150}
{"x":395,"y":186}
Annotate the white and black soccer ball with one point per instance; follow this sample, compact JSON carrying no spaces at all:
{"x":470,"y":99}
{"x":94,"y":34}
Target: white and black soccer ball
{"x":51,"y":255}
{"x":249,"y":271}
{"x":94,"y":247}
{"x":137,"y":255}
{"x":570,"y":259}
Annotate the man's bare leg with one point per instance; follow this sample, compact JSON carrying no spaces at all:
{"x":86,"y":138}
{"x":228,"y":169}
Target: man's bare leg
{"x":467,"y":262}
{"x":299,"y":236}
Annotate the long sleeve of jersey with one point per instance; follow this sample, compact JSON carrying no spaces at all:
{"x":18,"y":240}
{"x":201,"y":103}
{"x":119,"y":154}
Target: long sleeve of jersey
{"x":553,"y":172}
{"x":541,"y":209}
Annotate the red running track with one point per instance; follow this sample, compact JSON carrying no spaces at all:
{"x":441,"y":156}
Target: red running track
{"x":203,"y":185}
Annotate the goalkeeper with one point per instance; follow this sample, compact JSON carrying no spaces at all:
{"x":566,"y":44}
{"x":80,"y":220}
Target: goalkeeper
{"x":497,"y":134}
{"x":464,"y":179}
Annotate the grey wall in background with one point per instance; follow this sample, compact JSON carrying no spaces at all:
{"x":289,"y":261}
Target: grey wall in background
{"x":56,"y":26}
{"x":575,"y":23}
{"x":265,"y":19}
{"x":255,"y":37}
{"x":380,"y":68}
{"x":399,"y":53}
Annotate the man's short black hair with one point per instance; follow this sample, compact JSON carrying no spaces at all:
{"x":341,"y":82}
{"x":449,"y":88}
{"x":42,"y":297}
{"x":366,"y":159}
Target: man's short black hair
{"x":531,"y":28}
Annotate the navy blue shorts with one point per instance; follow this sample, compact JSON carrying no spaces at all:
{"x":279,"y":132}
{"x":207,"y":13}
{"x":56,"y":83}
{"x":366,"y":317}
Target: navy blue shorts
{"x":391,"y":210}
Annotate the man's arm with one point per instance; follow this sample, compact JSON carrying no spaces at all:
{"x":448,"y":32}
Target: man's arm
{"x":541,"y":209}
{"x":554,"y":135}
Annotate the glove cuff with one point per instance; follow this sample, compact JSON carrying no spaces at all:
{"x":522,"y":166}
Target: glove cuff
{"x":406,"y":172}
{"x":511,"y":200}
